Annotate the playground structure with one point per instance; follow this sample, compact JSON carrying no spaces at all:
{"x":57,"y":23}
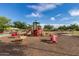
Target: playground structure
{"x":36,"y":29}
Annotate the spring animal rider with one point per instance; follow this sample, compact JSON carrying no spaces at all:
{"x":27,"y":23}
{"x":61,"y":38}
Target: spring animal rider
{"x":53,"y":38}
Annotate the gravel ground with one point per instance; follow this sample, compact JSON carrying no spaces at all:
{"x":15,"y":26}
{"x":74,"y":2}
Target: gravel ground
{"x":41,"y":46}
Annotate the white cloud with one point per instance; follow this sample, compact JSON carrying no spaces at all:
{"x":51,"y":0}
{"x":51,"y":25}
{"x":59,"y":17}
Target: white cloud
{"x":52,"y":18}
{"x":55,"y":25}
{"x":41,"y":7}
{"x":58,"y":15}
{"x":65,"y":18}
{"x":74,"y":12}
{"x":75,"y":22}
{"x":61,"y":19}
{"x":34,"y":15}
{"x":44,"y":6}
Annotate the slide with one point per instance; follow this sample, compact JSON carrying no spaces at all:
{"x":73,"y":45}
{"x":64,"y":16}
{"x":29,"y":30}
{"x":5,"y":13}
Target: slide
{"x":28,"y":32}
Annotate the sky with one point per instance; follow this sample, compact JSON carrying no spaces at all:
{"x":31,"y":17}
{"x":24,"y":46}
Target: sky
{"x":46,"y":13}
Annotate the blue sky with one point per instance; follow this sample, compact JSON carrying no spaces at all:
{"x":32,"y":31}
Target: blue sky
{"x":45,"y":13}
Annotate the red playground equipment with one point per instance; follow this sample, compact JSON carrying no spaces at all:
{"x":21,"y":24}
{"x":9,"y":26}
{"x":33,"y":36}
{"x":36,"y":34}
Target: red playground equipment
{"x":53,"y":38}
{"x":36,"y":29}
{"x":14,"y":34}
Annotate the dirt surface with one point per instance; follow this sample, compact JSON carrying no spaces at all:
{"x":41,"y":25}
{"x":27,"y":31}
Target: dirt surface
{"x":40,"y":46}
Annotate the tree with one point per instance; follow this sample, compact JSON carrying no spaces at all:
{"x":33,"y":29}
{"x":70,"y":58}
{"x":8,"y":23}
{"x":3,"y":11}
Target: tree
{"x":20,"y":25}
{"x":48,"y":27}
{"x":73,"y":27}
{"x":29,"y":26}
{"x":4,"y":22}
{"x":62,"y":28}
